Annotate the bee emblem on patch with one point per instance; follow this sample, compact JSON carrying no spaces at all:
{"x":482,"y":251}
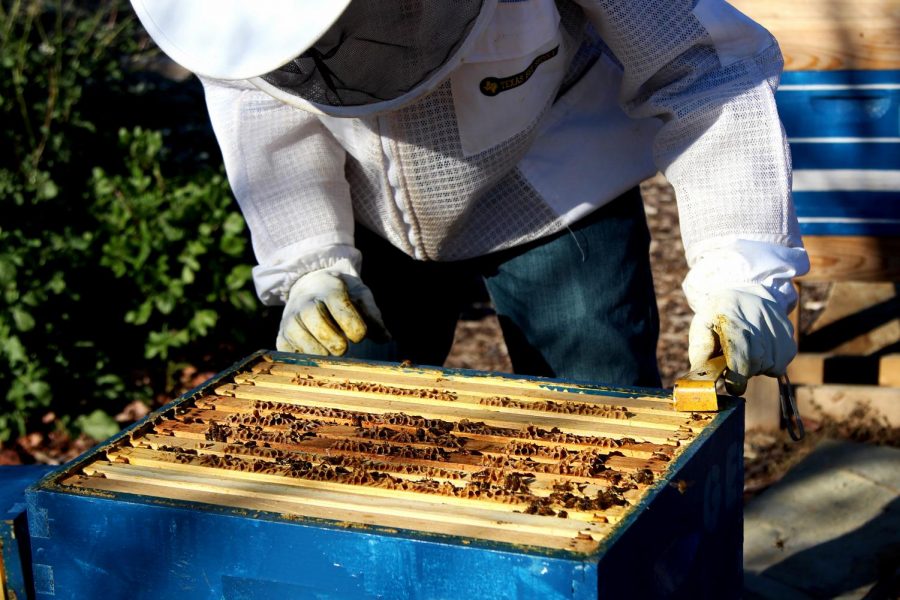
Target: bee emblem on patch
{"x":490,"y":86}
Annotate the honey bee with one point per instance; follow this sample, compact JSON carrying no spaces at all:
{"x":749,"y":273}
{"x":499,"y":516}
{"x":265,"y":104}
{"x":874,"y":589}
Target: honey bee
{"x":681,"y":485}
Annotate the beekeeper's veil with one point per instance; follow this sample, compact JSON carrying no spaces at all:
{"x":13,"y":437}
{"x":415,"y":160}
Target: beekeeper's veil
{"x":339,"y":57}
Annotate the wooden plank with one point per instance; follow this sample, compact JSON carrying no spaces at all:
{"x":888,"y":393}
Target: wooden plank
{"x":859,"y":319}
{"x":177,"y":489}
{"x":338,"y":503}
{"x":889,"y":370}
{"x":838,"y":258}
{"x":395,"y":505}
{"x":881,"y":404}
{"x":831,"y":34}
{"x":595,"y":412}
{"x":817,"y":368}
{"x":162,"y":462}
{"x":830,"y":10}
{"x":818,"y":46}
{"x":330,"y":401}
{"x":469,"y":391}
{"x":481,"y":385}
{"x":808,"y":368}
{"x":761,"y":408}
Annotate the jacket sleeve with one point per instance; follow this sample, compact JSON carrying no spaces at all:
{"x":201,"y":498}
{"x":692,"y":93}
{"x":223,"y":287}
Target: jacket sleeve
{"x":709,"y":74}
{"x":287,"y":173}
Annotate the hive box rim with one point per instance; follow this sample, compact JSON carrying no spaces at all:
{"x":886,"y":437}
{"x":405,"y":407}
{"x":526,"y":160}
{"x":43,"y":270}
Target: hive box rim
{"x":50,"y":482}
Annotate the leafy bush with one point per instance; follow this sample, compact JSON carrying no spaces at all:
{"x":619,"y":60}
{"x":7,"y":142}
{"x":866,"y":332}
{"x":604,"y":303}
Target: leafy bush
{"x":177,"y":249}
{"x":122,"y":255}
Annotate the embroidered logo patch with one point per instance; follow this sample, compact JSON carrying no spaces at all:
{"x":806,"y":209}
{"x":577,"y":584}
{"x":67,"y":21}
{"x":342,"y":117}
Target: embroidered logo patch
{"x":491,"y":86}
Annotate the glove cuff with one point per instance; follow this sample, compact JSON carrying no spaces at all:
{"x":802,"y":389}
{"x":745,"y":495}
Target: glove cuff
{"x":763,"y":268}
{"x":274,"y":281}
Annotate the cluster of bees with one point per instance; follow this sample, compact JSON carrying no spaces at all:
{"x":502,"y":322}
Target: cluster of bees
{"x":409,"y":453}
{"x":375,"y":388}
{"x":568,"y":408}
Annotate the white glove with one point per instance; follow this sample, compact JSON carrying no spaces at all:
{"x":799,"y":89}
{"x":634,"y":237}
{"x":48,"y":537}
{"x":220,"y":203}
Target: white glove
{"x":749,"y":327}
{"x":326,"y":308}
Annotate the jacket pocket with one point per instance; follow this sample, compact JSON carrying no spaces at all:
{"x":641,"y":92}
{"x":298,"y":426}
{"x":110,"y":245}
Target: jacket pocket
{"x":511,"y":75}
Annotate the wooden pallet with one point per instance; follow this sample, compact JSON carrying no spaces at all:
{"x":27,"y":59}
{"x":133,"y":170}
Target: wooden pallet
{"x":489,"y":458}
{"x":832,"y":34}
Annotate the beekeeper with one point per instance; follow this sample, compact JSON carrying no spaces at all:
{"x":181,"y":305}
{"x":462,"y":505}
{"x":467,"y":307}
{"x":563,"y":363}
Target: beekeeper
{"x":384,"y":153}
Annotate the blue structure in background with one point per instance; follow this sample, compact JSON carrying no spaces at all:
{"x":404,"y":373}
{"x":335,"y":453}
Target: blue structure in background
{"x":844,"y":132}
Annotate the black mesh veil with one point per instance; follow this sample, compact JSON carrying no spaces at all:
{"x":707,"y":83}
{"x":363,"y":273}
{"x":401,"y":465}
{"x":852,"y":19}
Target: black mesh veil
{"x":379,"y":51}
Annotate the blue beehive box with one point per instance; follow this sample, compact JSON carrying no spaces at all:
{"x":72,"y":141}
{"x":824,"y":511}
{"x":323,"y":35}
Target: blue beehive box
{"x":15,"y":555}
{"x":844,"y":132}
{"x":298,"y":477}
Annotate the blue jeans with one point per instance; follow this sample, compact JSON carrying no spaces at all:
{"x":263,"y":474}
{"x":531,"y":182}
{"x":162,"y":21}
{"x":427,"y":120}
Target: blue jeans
{"x":579,"y":304}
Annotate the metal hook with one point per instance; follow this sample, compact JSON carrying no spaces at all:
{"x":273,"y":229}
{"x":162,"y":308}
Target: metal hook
{"x":789,"y":413}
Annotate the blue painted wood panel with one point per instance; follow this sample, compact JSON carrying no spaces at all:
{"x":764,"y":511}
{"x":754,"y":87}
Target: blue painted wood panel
{"x":134,"y":549}
{"x":845,"y":121}
{"x":839,"y":113}
{"x":837,"y":155}
{"x":15,"y":551}
{"x":848,"y":213}
{"x":681,"y":542}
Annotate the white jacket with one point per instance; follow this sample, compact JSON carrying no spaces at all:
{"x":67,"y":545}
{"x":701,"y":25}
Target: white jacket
{"x":591,"y":97}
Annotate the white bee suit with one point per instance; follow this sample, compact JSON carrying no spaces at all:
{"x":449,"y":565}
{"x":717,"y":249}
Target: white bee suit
{"x":558,"y":108}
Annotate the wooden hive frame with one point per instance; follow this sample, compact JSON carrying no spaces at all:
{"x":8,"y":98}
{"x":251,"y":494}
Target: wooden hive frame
{"x":499,"y":459}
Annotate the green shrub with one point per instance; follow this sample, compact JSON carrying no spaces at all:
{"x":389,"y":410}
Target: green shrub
{"x":175,"y":248}
{"x":122,"y":255}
